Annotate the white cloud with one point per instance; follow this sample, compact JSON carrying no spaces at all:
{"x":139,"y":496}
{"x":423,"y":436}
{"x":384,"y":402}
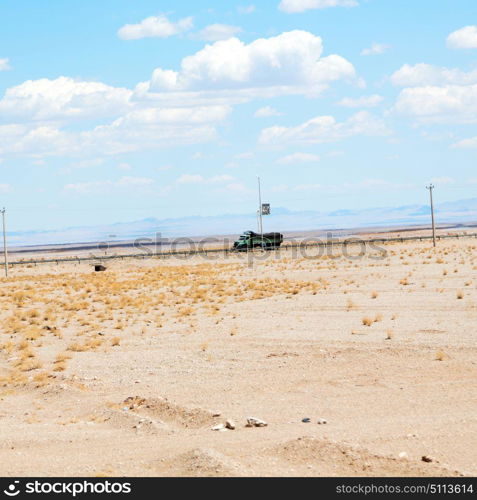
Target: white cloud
{"x":294,"y":6}
{"x":5,"y":64}
{"x":220,"y":178}
{"x":324,"y":129}
{"x":63,"y":98}
{"x":5,"y":188}
{"x":155,"y":27}
{"x":423,"y":74}
{"x":289,"y":63}
{"x":376,"y":49}
{"x":124,"y":166}
{"x":470,"y":143}
{"x":247,"y":155}
{"x":105,"y":187}
{"x":436,"y":94}
{"x":134,"y":181}
{"x":442,"y":181}
{"x":299,"y":158}
{"x":246,"y":9}
{"x":447,"y":104}
{"x":199,"y":179}
{"x":216,"y":32}
{"x":361,"y":102}
{"x":237,"y":188}
{"x":190,"y":179}
{"x":266,"y":112}
{"x":464,"y":38}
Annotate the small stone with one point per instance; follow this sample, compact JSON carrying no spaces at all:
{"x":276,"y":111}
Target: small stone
{"x":306,"y":420}
{"x":403,"y":454}
{"x":219,"y":427}
{"x":230,"y":424}
{"x":255,"y":422}
{"x":427,"y":459}
{"x":322,"y":421}
{"x":216,"y":414}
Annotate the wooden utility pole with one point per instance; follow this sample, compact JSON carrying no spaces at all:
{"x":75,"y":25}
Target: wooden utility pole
{"x":5,"y":253}
{"x":431,"y":187}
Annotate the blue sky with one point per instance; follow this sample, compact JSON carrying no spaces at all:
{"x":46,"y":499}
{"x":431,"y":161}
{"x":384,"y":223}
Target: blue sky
{"x":114,"y":111}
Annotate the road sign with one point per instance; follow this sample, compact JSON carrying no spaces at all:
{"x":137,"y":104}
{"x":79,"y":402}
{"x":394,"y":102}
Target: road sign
{"x":265,"y":208}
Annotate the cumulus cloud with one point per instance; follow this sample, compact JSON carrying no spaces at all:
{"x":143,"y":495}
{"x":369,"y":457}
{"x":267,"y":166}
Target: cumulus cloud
{"x":5,"y":64}
{"x":216,"y":32}
{"x":376,"y":49}
{"x":361,"y":102}
{"x":266,"y":112}
{"x":447,"y":104}
{"x":324,"y":129}
{"x":426,"y":74}
{"x":145,"y":129}
{"x":289,"y":63}
{"x":298,"y":158}
{"x":155,"y":27}
{"x":436,"y":94}
{"x":464,"y":38}
{"x":62,"y":98}
{"x":294,"y":6}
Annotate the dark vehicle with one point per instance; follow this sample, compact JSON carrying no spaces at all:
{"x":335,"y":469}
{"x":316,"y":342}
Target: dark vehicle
{"x":250,"y":240}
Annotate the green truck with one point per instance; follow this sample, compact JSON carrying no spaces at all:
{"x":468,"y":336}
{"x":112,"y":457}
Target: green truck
{"x":249,"y":240}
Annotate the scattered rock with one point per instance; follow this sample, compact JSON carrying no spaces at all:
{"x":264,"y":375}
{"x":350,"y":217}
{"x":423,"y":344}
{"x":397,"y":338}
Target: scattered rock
{"x":219,"y":427}
{"x":403,"y":454}
{"x":322,"y":421}
{"x":99,"y":268}
{"x":230,"y":424}
{"x":255,"y":422}
{"x":306,"y":420}
{"x":216,"y":414}
{"x":427,"y":459}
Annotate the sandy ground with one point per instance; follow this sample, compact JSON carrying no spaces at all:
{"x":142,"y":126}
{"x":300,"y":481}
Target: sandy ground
{"x":125,"y":372}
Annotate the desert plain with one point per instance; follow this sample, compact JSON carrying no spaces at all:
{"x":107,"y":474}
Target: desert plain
{"x":126,"y":372}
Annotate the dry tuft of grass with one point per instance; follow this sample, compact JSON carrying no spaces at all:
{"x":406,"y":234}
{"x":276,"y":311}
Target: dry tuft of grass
{"x":440,"y":355}
{"x":389,"y":335}
{"x":460,"y":294}
{"x":374,"y":295}
{"x":367,"y":321}
{"x":115,"y":341}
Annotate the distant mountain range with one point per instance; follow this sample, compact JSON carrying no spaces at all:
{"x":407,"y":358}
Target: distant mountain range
{"x":281,"y":219}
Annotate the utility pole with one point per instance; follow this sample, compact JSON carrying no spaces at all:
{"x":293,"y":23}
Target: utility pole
{"x":260,"y":209}
{"x":431,"y":187}
{"x":5,"y":254}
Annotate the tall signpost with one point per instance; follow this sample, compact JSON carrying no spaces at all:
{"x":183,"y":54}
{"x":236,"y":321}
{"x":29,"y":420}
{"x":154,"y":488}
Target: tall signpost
{"x":260,"y":220}
{"x":263,"y":209}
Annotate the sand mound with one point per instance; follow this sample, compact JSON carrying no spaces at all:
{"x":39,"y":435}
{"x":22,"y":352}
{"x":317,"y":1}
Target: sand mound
{"x":162,"y":409}
{"x":338,"y":459}
{"x":203,"y":462}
